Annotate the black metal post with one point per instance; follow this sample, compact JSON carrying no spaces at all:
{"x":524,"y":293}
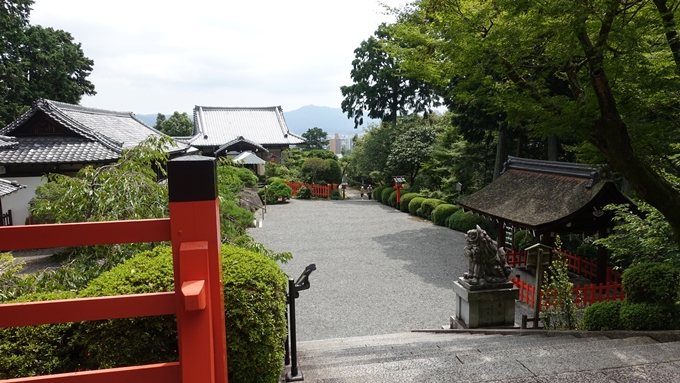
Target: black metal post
{"x":292,"y":375}
{"x":286,"y":359}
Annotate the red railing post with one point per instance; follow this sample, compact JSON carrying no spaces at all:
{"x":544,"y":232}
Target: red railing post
{"x":194,"y":217}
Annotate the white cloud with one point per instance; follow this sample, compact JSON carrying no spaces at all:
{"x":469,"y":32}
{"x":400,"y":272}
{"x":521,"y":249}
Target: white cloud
{"x":161,"y":56}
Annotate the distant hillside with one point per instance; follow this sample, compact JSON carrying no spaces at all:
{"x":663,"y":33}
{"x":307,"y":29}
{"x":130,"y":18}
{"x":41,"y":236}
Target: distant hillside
{"x":150,"y":119}
{"x":331,"y":120}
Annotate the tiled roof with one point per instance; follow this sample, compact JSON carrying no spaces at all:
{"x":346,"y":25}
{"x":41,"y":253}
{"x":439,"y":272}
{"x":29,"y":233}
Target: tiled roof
{"x":57,"y":150}
{"x":7,"y":142}
{"x":216,"y":126}
{"x":9,"y":187}
{"x":238,"y":140}
{"x":102,"y":133}
{"x":247,"y":158}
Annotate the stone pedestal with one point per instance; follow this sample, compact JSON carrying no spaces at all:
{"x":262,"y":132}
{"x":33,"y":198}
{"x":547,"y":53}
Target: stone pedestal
{"x":485,"y":305}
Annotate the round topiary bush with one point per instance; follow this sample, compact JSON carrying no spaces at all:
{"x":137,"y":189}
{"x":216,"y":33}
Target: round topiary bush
{"x":405,"y":200}
{"x":602,"y":316}
{"x":304,"y":193}
{"x":651,"y":283}
{"x":414,"y":205}
{"x":464,"y":221}
{"x":336,"y":194}
{"x":247,"y":176}
{"x":276,"y":191}
{"x":385,"y":194}
{"x":428,"y":207}
{"x":442,"y":212}
{"x":645,"y":316}
{"x":35,"y":350}
{"x":392,"y":200}
{"x":377,"y":193}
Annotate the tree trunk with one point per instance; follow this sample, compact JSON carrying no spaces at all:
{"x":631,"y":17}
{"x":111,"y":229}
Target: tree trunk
{"x":500,"y":151}
{"x":671,"y":34}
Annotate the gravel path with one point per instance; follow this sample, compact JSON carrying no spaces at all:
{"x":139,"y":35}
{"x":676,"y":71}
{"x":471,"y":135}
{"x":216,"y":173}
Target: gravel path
{"x":379,"y":271}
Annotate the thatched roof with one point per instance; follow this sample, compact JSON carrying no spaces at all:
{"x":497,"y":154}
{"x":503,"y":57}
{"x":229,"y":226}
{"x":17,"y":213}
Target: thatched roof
{"x":548,"y":196}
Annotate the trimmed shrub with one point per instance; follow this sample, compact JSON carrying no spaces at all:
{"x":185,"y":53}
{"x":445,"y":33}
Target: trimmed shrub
{"x":245,"y":175}
{"x":428,"y":207}
{"x":385,"y":194}
{"x":34,"y":350}
{"x":271,"y":180}
{"x":377,"y":193}
{"x":651,"y":283}
{"x":275,"y":191}
{"x":414,"y":205}
{"x":442,"y":212}
{"x":602,"y":316}
{"x":392,"y":200}
{"x":304,"y":193}
{"x":464,"y":221}
{"x":405,"y":200}
{"x":645,"y":316}
{"x":336,"y":194}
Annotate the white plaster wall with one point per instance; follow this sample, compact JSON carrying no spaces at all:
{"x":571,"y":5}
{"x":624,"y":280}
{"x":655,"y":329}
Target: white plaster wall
{"x":18,"y":201}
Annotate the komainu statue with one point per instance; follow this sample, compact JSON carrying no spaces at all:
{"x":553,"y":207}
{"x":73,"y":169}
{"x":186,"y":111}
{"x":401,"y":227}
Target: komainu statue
{"x":487,"y":261}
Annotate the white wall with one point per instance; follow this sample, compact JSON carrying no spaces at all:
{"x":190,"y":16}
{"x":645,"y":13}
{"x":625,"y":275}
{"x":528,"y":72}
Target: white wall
{"x":18,"y":201}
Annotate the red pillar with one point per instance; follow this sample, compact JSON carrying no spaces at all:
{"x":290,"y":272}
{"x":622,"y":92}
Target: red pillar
{"x":194,"y":217}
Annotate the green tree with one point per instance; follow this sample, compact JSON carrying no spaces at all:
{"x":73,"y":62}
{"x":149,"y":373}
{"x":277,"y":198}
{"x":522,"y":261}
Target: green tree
{"x":37,"y":62}
{"x":315,"y":168}
{"x":177,"y":125}
{"x":316,"y":138}
{"x":602,"y":71}
{"x":381,"y":87}
{"x":412,"y":146}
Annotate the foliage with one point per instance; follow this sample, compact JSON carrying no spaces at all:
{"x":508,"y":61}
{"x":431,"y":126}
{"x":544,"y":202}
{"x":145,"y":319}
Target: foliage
{"x":314,"y":169}
{"x":412,"y":146}
{"x":442,"y":212}
{"x":385,"y":195}
{"x":275,"y":191}
{"x":304,"y":193}
{"x":334,"y":174}
{"x":414,"y":205}
{"x":380,"y":86}
{"x":377,"y":193}
{"x":640,"y":239}
{"x":271,"y":180}
{"x":336,"y":194}
{"x":392,"y":199}
{"x":560,"y":309}
{"x":37,"y":62}
{"x":35,"y":350}
{"x":648,"y":316}
{"x":523,"y":239}
{"x":316,"y":138}
{"x":656,"y":283}
{"x":177,"y":125}
{"x":246,"y":176}
{"x":428,"y":207}
{"x":464,"y":221}
{"x":405,"y":200}
{"x":603,"y":315}
{"x":10,"y":284}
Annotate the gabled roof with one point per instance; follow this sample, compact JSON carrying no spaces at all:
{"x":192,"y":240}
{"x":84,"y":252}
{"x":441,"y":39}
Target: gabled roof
{"x":241,"y":140}
{"x":7,"y":142}
{"x":216,"y":126}
{"x":84,"y":134}
{"x":9,"y":187}
{"x":548,"y":196}
{"x":247,"y":158}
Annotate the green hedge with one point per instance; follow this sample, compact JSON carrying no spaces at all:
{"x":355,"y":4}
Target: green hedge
{"x":602,"y":316}
{"x":428,"y":207}
{"x":651,"y":283}
{"x":276,"y":190}
{"x":464,"y":221}
{"x":414,"y":205}
{"x":646,"y":316}
{"x":255,"y":306}
{"x":336,"y":194}
{"x":442,"y":212}
{"x":405,"y":200}
{"x":385,"y":194}
{"x":377,"y":193}
{"x":392,"y":200}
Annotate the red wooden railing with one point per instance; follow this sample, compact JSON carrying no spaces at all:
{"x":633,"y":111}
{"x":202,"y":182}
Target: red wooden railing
{"x":193,"y":228}
{"x":6,"y":219}
{"x":317,"y":190}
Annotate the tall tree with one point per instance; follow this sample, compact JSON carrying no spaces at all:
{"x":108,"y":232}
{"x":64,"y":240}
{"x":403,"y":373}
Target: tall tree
{"x":616,"y":61}
{"x":177,"y":125}
{"x":380,"y":86}
{"x":316,"y":138}
{"x":37,"y":62}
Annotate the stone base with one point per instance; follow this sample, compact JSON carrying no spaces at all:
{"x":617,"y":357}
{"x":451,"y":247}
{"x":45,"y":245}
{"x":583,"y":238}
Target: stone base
{"x":490,"y":307}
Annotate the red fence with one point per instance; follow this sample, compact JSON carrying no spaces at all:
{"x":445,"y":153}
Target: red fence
{"x":6,"y":219}
{"x":591,"y":293}
{"x":193,"y":228}
{"x":317,"y":190}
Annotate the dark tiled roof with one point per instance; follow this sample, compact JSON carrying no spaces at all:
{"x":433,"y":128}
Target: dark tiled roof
{"x":7,"y":142}
{"x":57,"y":150}
{"x":9,"y":187}
{"x":543,"y":195}
{"x":216,"y":126}
{"x":240,"y":139}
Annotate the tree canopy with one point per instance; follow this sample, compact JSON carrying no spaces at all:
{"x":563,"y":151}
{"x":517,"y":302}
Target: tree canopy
{"x":37,"y":62}
{"x":177,"y":125}
{"x":316,"y":138}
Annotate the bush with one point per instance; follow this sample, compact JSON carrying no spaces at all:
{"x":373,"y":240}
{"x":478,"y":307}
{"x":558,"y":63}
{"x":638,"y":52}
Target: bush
{"x":392,"y":199}
{"x":34,"y":350}
{"x":651,"y":283}
{"x":245,"y":175}
{"x":414,"y":205}
{"x":377,"y":193}
{"x":464,"y":221}
{"x":602,"y":316}
{"x":646,"y":316}
{"x":442,"y":212}
{"x":336,"y":194}
{"x":271,"y":180}
{"x":523,"y":239}
{"x":275,"y":191}
{"x":385,"y":195}
{"x":428,"y":207}
{"x":405,"y":200}
{"x":304,"y":193}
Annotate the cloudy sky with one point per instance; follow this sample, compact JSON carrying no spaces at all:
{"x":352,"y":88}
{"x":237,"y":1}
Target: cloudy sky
{"x":163,"y":56}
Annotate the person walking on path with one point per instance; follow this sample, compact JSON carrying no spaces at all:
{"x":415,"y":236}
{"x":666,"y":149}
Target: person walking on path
{"x":362,"y":192}
{"x":369,"y":191}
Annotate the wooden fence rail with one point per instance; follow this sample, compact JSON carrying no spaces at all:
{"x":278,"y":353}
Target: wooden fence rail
{"x":317,"y":190}
{"x":193,"y":228}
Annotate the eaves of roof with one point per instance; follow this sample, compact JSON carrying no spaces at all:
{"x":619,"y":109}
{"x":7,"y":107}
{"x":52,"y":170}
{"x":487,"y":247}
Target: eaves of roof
{"x":9,"y":187}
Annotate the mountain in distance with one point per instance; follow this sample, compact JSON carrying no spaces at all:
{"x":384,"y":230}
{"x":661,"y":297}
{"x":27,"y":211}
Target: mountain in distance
{"x":330,"y":120}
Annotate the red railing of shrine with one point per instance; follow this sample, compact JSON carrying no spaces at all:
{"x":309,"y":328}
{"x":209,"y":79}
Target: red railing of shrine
{"x":610,"y":291}
{"x":317,"y":190}
{"x":193,"y":228}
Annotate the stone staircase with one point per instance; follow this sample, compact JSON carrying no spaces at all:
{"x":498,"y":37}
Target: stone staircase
{"x":463,"y":357}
